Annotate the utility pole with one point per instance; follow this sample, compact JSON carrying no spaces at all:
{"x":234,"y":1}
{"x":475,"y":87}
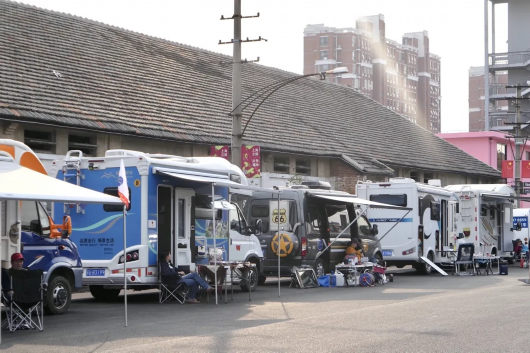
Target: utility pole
{"x":237,"y":111}
{"x":237,"y":136}
{"x":486,"y":70}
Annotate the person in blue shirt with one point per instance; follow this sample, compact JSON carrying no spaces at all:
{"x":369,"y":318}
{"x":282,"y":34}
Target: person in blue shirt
{"x":524,"y":249}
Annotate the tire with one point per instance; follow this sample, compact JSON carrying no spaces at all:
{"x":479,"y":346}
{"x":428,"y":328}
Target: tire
{"x":104,"y":295}
{"x":58,"y":296}
{"x":250,"y":284}
{"x":424,"y":268}
{"x":261,"y":280}
{"x":319,"y":267}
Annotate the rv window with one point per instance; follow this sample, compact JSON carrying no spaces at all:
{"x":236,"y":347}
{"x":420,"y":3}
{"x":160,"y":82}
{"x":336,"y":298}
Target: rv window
{"x":30,"y":220}
{"x":314,"y":218}
{"x":420,"y":209}
{"x":116,"y":208}
{"x":396,"y":200}
{"x":492,"y":213}
{"x":435,"y":210}
{"x":260,"y":211}
{"x":483,"y":211}
{"x":44,"y":221}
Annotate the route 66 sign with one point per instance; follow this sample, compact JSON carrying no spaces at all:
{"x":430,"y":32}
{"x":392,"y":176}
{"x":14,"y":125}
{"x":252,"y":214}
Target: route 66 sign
{"x":279,"y":214}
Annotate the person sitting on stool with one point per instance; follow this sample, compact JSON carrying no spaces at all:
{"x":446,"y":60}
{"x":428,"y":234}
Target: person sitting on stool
{"x":192,"y":279}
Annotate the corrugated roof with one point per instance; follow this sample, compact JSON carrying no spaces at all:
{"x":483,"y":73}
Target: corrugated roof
{"x":69,"y":71}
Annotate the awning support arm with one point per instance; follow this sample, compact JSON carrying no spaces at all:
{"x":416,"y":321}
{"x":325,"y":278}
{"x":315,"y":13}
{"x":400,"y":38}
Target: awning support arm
{"x":344,"y":230}
{"x":395,"y":224}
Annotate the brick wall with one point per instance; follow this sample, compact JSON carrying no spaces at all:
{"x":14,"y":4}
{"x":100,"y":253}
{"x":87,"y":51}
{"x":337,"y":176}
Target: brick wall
{"x":344,"y":178}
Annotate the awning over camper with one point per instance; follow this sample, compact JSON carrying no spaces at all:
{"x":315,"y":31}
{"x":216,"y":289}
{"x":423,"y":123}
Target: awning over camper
{"x":211,"y":180}
{"x":358,"y":201}
{"x":20,"y":183}
{"x":486,"y":196}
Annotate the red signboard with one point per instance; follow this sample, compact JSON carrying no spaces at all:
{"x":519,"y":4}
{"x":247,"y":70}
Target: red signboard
{"x":219,"y":151}
{"x":250,"y":161}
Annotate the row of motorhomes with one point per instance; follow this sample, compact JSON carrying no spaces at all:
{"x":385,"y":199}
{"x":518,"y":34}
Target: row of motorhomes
{"x":196,"y":208}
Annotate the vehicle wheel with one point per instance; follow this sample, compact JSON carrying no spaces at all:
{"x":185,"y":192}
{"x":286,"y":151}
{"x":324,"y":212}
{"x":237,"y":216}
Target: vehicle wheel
{"x":103,"y":294}
{"x":58,"y":296}
{"x":425,"y":268}
{"x":251,"y":283}
{"x":319,"y":267}
{"x":261,"y":280}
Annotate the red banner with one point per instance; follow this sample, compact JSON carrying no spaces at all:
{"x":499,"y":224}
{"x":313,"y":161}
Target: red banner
{"x":525,"y":169}
{"x":219,"y":151}
{"x":507,"y":169}
{"x":251,"y":161}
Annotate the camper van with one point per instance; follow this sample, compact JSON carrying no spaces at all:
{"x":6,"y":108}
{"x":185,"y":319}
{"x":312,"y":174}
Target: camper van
{"x":520,"y":223}
{"x":299,"y":227}
{"x":486,"y":217}
{"x":427,"y":231}
{"x":173,"y":203}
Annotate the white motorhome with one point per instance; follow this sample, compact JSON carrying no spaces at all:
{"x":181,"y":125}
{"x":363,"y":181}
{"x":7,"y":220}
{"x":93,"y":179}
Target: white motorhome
{"x":426,"y":231}
{"x":520,"y":217}
{"x":486,"y":217}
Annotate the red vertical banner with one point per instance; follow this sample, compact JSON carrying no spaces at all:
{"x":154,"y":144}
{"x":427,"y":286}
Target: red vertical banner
{"x":219,"y":151}
{"x":507,"y":169}
{"x":525,"y":169}
{"x":251,"y":161}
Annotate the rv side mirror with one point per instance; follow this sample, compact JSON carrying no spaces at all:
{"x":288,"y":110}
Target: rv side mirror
{"x":460,"y":236}
{"x":65,"y":234}
{"x":375,"y":231}
{"x":35,"y":227}
{"x":257,"y":226}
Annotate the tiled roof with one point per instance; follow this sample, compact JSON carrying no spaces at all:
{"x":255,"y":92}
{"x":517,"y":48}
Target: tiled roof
{"x":69,"y":71}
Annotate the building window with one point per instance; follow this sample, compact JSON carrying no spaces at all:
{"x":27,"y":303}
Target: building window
{"x":323,"y":55}
{"x":281,"y":164}
{"x":323,"y":41}
{"x":324,"y":67}
{"x":303,"y":166}
{"x":40,"y":141}
{"x":501,"y":155}
{"x":84,"y":143}
{"x":527,"y":156}
{"x":414,"y":175}
{"x":353,"y":41}
{"x":427,"y":177}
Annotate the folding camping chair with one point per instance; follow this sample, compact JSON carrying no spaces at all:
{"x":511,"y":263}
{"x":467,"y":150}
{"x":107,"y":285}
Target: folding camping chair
{"x":168,"y":292}
{"x":27,"y":300}
{"x":465,"y":257}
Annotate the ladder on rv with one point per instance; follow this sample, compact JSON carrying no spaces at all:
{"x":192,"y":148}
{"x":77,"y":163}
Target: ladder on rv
{"x":466,"y":204}
{"x":72,"y":169}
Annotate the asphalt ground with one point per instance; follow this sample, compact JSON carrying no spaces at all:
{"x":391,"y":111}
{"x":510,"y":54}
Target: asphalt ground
{"x":413,"y":314}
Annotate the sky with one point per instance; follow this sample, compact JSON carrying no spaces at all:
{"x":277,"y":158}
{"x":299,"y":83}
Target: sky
{"x":456,"y":30}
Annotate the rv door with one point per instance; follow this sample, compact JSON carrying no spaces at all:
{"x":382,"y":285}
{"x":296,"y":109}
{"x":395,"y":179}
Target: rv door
{"x":505,"y":240}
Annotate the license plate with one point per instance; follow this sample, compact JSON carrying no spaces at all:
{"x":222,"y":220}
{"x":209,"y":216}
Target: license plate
{"x":95,"y":272}
{"x":387,"y":252}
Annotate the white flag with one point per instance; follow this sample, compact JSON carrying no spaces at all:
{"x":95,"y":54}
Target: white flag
{"x":123,"y":189}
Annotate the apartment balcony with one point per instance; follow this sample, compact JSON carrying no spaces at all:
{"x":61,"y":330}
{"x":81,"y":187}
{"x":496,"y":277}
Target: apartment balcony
{"x":498,"y":91}
{"x":506,"y":61}
{"x":327,"y":61}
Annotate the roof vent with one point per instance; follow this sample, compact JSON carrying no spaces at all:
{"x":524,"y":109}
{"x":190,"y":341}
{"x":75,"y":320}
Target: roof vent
{"x":323,"y":185}
{"x":435,"y":182}
{"x":123,"y":153}
{"x":402,"y":180}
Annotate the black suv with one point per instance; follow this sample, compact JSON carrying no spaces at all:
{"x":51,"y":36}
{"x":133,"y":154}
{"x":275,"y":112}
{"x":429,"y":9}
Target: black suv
{"x":308,"y":223}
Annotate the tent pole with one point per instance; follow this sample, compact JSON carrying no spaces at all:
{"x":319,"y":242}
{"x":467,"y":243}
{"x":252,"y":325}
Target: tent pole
{"x":214,"y":242}
{"x":125,"y":261}
{"x":279,"y":245}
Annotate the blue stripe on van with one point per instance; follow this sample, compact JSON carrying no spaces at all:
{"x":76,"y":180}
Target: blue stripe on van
{"x":380,"y":220}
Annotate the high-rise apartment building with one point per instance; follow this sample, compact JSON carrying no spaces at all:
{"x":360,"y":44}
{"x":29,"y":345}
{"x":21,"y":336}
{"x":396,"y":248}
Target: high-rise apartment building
{"x":498,"y":108}
{"x":506,"y":69}
{"x":405,"y":77}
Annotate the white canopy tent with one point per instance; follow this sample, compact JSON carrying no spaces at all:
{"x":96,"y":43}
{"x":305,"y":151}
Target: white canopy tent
{"x":23,"y":184}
